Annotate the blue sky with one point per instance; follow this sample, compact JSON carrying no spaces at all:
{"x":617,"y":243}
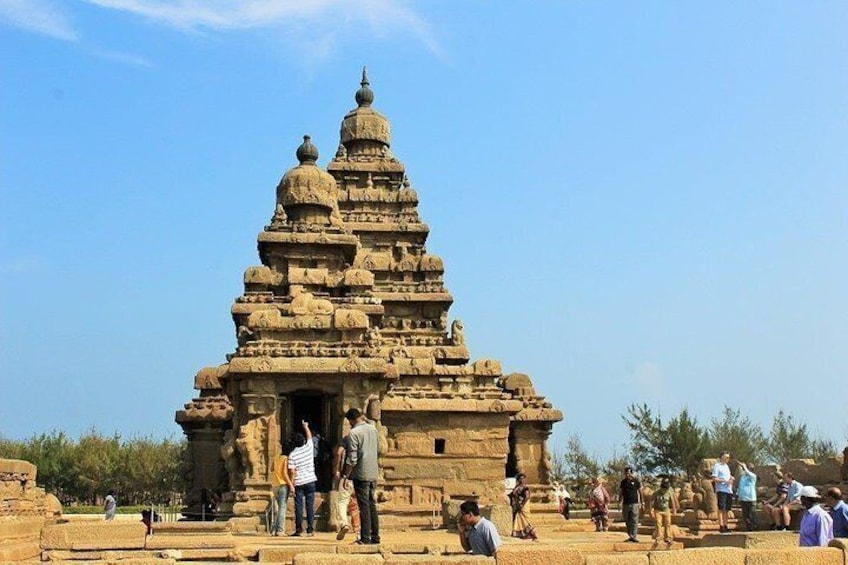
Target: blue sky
{"x":636,"y":202}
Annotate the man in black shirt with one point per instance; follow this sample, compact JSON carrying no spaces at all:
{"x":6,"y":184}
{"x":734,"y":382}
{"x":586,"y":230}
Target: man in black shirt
{"x":630,"y":493}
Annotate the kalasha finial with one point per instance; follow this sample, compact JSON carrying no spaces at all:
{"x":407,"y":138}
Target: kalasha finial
{"x":364,"y":96}
{"x":307,"y":152}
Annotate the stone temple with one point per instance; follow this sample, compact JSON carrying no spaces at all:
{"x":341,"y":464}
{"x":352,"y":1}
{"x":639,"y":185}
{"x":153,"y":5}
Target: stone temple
{"x":349,"y":309}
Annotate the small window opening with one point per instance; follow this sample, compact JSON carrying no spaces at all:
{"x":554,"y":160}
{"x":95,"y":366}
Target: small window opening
{"x":440,"y":446}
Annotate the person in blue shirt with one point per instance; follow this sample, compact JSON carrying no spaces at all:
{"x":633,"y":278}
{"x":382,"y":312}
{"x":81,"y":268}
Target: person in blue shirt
{"x":747,"y":494}
{"x":477,"y":534}
{"x":793,"y":499}
{"x":838,"y":511}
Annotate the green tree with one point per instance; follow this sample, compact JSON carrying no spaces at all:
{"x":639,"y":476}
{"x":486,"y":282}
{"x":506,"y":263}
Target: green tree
{"x":578,"y":464}
{"x":669,"y":448}
{"x":821,"y":449}
{"x":789,"y":439}
{"x":646,"y":436}
{"x":737,"y":434}
{"x":686,"y":444}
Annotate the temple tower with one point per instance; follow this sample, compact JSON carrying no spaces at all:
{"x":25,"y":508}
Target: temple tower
{"x":348,"y":309}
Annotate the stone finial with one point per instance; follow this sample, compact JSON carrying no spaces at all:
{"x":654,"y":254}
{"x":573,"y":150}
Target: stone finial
{"x":364,"y":96}
{"x":307,"y":153}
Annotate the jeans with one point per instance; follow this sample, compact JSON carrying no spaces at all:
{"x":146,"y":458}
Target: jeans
{"x":630,"y":513}
{"x":306,"y":491}
{"x":752,"y":522}
{"x":369,"y":527}
{"x":282,"y":495}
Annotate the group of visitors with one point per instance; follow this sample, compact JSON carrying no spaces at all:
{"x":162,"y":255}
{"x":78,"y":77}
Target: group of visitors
{"x":818,"y":525}
{"x":355,"y":465}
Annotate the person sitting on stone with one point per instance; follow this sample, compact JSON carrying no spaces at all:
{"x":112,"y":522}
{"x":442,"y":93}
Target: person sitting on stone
{"x":773,"y":504}
{"x":477,"y":534}
{"x":816,"y":524}
{"x":793,"y":499}
{"x":838,"y":512}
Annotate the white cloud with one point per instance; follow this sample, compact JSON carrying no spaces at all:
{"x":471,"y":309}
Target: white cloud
{"x":39,"y":16}
{"x":649,"y":377}
{"x":381,"y":16}
{"x":125,"y":58}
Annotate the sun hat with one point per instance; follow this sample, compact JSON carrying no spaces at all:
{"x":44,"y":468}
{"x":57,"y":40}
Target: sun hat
{"x":810,"y":492}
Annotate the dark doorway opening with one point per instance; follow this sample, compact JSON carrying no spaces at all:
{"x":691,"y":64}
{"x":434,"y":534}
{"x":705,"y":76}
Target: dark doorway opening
{"x":308,"y":407}
{"x":321,"y":412}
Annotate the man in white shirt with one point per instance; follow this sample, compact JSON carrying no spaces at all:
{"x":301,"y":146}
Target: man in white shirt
{"x":723,"y":481}
{"x":302,"y":465}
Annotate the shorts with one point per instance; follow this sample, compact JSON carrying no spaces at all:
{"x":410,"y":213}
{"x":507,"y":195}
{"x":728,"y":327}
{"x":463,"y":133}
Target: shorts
{"x":794,"y":505}
{"x":724,"y":501}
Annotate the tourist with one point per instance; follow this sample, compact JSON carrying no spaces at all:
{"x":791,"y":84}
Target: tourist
{"x":281,"y":482}
{"x":518,"y":499}
{"x":343,"y":502}
{"x":598,"y":504}
{"x":110,"y":506}
{"x":662,"y":507}
{"x":747,"y":493}
{"x":302,"y":466}
{"x":816,"y":524}
{"x":793,"y":499}
{"x":361,"y":466}
{"x":773,"y":504}
{"x":723,"y":482}
{"x":838,"y":512}
{"x":562,"y":499}
{"x":476,"y":534}
{"x":630,"y":493}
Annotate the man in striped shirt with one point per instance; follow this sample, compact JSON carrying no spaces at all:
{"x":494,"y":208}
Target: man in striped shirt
{"x":302,"y":465}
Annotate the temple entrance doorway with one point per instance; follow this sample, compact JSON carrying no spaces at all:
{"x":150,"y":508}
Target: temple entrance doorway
{"x":322,"y":413}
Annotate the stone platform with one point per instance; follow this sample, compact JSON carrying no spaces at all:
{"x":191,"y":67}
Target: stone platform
{"x":94,"y":542}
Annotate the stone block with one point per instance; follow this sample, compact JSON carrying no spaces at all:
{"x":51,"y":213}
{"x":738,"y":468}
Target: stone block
{"x":360,"y":549}
{"x":412,"y":548}
{"x":699,"y":556}
{"x":312,"y":558}
{"x":752,"y":540}
{"x":617,"y":559}
{"x":190,"y":541}
{"x":439,"y":560}
{"x":94,"y":535}
{"x":21,"y":528}
{"x":537,"y":554}
{"x":795,"y":556}
{"x":500,"y":515}
{"x":286,"y":554}
{"x":19,"y":551}
{"x":104,"y":555}
{"x":18,"y":466}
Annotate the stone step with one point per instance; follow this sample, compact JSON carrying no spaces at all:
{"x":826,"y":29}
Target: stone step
{"x":19,"y":550}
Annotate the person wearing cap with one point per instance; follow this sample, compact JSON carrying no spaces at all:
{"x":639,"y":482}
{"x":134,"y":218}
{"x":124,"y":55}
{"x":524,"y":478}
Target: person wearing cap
{"x":816,"y":524}
{"x":477,"y":534}
{"x":838,"y":512}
